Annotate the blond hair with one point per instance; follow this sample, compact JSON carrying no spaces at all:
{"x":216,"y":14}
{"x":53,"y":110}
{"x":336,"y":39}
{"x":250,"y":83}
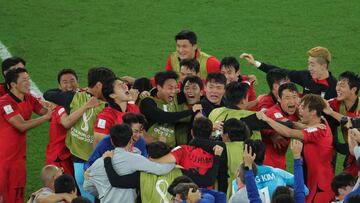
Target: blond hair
{"x":321,"y":54}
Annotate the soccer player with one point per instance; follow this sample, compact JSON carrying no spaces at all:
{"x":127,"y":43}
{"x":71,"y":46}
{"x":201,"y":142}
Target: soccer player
{"x":230,"y":67}
{"x":65,"y":184}
{"x":215,"y":90}
{"x":346,"y":103}
{"x":269,"y":178}
{"x":49,"y":174}
{"x":193,"y":90}
{"x":56,"y":151}
{"x":191,"y":93}
{"x":80,"y":137}
{"x":187,"y":48}
{"x":137,"y":122}
{"x":153,"y":187}
{"x":8,"y":64}
{"x":318,"y":148}
{"x":234,"y":135}
{"x":117,"y":95}
{"x":196,"y":162}
{"x":274,"y":79}
{"x":236,"y":103}
{"x":284,"y":110}
{"x":124,"y":163}
{"x":356,"y":189}
{"x":188,"y":67}
{"x":317,"y":79}
{"x":342,"y":184}
{"x":16,"y":108}
{"x":162,"y":110}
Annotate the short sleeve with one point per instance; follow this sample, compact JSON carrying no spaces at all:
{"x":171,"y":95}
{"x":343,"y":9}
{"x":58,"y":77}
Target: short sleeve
{"x":9,"y":110}
{"x":312,"y":134}
{"x":60,"y":111}
{"x":103,"y":123}
{"x":333,"y":103}
{"x":178,"y":153}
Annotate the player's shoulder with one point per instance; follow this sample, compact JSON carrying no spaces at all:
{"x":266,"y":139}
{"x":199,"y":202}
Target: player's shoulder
{"x":7,"y":99}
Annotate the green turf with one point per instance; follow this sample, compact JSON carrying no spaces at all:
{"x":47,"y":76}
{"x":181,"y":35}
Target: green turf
{"x":136,"y":37}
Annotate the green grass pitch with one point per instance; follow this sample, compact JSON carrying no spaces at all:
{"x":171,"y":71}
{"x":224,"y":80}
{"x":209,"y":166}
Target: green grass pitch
{"x":136,"y":37}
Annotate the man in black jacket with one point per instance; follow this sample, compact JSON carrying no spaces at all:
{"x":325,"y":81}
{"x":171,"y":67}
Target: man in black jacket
{"x":317,"y":79}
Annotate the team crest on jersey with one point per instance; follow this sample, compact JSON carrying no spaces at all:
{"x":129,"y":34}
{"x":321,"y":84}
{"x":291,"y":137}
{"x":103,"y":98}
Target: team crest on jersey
{"x":311,"y":129}
{"x":8,"y":109}
{"x":278,"y":115}
{"x":101,"y":123}
{"x":61,"y":111}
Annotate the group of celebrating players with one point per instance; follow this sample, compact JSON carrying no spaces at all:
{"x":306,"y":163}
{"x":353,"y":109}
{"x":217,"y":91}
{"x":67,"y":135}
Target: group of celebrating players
{"x":196,"y":132}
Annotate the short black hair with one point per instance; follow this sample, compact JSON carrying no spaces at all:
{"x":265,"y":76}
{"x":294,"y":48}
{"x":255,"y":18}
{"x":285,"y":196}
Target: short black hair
{"x":183,"y":188}
{"x":192,"y":79}
{"x":217,"y":78}
{"x":343,"y":179}
{"x":235,"y":92}
{"x":287,"y":86}
{"x":191,"y":64}
{"x":258,"y":148}
{"x":64,"y":184}
{"x":158,"y":149}
{"x":237,"y":130}
{"x":187,"y":34}
{"x":108,"y":89}
{"x":99,"y":74}
{"x":283,"y":198}
{"x":120,"y":134}
{"x":202,"y":128}
{"x":274,"y":76}
{"x":9,"y":62}
{"x":80,"y":200}
{"x":66,"y":71}
{"x":12,"y":76}
{"x":353,"y":79}
{"x":176,"y":181}
{"x":281,"y":190}
{"x":230,"y":61}
{"x":142,"y":84}
{"x":161,"y":77}
{"x":131,"y":118}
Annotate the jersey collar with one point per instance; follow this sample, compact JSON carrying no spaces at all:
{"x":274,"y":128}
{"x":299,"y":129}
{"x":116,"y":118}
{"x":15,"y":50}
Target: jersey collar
{"x":17,"y":99}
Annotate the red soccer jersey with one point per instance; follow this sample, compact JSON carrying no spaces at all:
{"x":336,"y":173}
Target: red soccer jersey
{"x":110,"y":116}
{"x":350,"y":160}
{"x":276,"y":157}
{"x":2,"y":89}
{"x":265,"y":103}
{"x":212,"y":64}
{"x":56,"y":148}
{"x":12,"y":141}
{"x":337,"y":106}
{"x":251,"y":92}
{"x":191,"y":157}
{"x":318,"y":154}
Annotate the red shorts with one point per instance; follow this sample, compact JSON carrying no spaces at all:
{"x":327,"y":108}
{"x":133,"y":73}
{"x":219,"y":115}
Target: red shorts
{"x":66,"y":164}
{"x":12,"y":181}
